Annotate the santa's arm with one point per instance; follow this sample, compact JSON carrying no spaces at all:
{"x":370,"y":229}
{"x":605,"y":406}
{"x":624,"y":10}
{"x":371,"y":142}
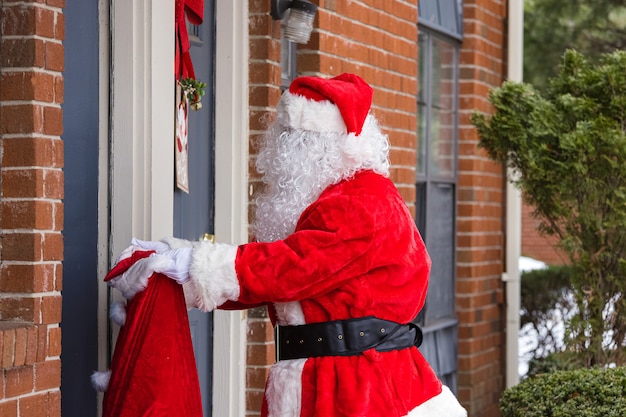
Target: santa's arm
{"x":328,"y":248}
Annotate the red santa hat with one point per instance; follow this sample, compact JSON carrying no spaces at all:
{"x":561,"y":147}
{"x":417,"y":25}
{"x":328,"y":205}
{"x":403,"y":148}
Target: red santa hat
{"x":339,"y":104}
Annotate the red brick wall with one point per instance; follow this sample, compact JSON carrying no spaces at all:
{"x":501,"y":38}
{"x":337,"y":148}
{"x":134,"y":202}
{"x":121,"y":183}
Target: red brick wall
{"x":31,"y":208}
{"x":480,"y":224}
{"x":536,"y":246}
{"x":378,"y":41}
{"x":265,"y":81}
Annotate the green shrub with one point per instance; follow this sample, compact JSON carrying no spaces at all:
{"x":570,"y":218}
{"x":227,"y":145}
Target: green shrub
{"x":591,"y":392}
{"x":566,"y":148}
{"x":555,"y":361}
{"x":546,"y":302}
{"x":541,"y":292}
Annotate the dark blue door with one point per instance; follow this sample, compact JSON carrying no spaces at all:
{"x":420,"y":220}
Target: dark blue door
{"x":80,"y":284}
{"x":194,"y":211}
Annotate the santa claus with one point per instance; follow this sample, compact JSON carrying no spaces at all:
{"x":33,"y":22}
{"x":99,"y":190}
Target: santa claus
{"x":337,"y":259}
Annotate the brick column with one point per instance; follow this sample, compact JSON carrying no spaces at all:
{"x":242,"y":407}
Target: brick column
{"x":265,"y":84}
{"x":31,"y":208}
{"x":480,"y":220}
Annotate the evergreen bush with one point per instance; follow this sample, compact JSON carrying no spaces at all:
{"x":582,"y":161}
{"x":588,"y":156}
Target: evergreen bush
{"x":567,"y":147}
{"x":591,"y":392}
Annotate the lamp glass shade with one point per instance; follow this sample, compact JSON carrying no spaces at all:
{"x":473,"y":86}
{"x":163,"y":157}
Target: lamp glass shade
{"x":299,"y":26}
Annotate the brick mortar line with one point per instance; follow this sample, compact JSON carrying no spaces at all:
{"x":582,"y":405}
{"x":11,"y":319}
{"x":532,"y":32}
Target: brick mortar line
{"x":474,"y":218}
{"x":29,"y":263}
{"x":21,"y":168}
{"x":488,"y":204}
{"x":369,"y":65}
{"x":473,"y":65}
{"x":474,"y":248}
{"x":393,"y":147}
{"x":395,"y":111}
{"x":368,"y":45}
{"x":484,"y":23}
{"x":31,"y":135}
{"x":30,"y":232}
{"x":6,"y":103}
{"x":399,"y":93}
{"x":480,"y":174}
{"x":363,"y":44}
{"x":480,"y":263}
{"x":473,"y":36}
{"x":484,"y":173}
{"x":30,"y":394}
{"x":8,"y":296}
{"x":23,"y":70}
{"x":31,"y":36}
{"x":481,"y":188}
{"x":265,"y":61}
{"x":378,"y":11}
{"x":266,"y":343}
{"x":29,"y":4}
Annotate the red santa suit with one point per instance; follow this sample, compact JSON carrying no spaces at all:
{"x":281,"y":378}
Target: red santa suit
{"x":355,"y":253}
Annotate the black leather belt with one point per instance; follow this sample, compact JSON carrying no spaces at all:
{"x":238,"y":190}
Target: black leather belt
{"x":344,"y":338}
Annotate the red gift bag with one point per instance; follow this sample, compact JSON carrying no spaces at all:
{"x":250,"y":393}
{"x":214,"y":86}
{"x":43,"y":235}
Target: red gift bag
{"x":153,"y":370}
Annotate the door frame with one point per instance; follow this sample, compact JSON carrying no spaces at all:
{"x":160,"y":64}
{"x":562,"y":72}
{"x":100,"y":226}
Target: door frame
{"x":136,"y":136}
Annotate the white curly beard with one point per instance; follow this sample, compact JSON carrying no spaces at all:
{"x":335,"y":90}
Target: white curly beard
{"x":297,"y":165}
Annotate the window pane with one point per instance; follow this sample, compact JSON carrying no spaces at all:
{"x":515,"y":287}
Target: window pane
{"x":422,"y":45}
{"x":422,"y":137}
{"x":450,"y":15}
{"x":443,"y":115}
{"x":442,"y":15}
{"x":429,"y":11}
{"x":440,"y":245}
{"x":420,"y":208}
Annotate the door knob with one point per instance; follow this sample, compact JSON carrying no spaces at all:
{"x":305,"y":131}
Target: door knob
{"x":208,"y":237}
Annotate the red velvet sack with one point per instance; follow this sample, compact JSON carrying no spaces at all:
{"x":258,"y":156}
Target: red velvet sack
{"x":153,"y":371}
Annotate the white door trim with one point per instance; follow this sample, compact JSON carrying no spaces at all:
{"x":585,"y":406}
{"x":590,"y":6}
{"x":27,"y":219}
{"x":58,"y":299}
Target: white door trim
{"x":231,"y":199}
{"x":141,"y":154}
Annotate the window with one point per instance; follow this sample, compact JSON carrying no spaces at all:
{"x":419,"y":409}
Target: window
{"x":436,"y":177}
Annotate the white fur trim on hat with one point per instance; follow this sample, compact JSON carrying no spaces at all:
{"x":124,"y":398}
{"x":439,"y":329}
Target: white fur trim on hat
{"x":213,"y":275}
{"x":444,"y":404}
{"x":298,"y":112}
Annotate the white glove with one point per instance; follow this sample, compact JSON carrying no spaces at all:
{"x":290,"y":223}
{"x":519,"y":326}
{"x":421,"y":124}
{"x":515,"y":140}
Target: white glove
{"x":172,"y":263}
{"x":158,"y":247}
{"x":162,"y":245}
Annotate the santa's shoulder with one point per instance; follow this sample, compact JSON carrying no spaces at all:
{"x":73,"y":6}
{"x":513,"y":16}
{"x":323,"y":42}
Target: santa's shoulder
{"x":365,"y":182}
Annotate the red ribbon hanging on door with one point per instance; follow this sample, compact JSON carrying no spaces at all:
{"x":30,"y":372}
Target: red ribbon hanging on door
{"x":194,"y":9}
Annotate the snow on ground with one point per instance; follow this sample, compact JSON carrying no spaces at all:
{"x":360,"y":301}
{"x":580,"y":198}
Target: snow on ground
{"x":528,"y":337}
{"x":530,"y":264}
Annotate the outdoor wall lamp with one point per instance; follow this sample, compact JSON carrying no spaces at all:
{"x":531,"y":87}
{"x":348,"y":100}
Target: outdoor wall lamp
{"x":300,"y":20}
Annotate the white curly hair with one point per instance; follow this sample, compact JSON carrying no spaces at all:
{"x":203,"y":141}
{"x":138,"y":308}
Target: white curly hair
{"x":297,"y":165}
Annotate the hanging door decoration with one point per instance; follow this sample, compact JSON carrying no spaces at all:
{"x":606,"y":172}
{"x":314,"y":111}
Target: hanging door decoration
{"x":189,"y":91}
{"x":181,"y":149}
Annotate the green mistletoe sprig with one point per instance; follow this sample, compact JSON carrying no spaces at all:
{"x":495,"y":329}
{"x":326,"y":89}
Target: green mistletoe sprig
{"x":194,"y":90}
